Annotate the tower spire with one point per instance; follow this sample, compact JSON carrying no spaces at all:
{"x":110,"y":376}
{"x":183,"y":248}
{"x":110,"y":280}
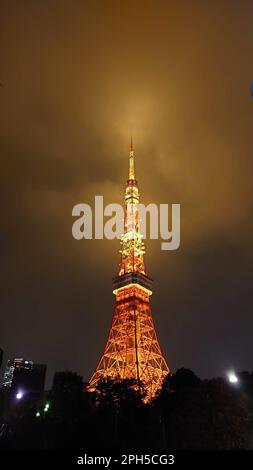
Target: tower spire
{"x":131,"y":175}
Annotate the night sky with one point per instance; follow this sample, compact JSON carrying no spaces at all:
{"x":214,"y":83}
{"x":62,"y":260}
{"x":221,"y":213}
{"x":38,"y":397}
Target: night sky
{"x":78,"y":78}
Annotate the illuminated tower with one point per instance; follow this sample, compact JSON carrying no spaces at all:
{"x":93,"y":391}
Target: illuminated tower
{"x":132,"y":349}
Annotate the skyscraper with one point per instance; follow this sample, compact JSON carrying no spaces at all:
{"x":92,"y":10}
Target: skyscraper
{"x":132,"y":349}
{"x":11,"y":366}
{"x":23,"y":374}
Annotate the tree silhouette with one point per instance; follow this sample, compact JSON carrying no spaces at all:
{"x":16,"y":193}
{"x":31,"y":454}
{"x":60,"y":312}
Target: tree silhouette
{"x":188,"y":413}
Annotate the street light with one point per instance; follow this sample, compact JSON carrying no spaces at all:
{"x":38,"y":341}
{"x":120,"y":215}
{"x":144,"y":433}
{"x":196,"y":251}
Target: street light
{"x":233,"y":379}
{"x":19,"y":395}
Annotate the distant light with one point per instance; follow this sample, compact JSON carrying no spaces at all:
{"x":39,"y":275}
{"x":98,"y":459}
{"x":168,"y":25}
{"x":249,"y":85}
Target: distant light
{"x":38,"y":414}
{"x":233,"y":379}
{"x":46,"y":408}
{"x":19,"y":395}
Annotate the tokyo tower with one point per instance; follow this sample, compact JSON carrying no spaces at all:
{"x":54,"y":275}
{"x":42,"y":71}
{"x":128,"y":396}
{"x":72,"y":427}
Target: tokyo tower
{"x":132,"y":349}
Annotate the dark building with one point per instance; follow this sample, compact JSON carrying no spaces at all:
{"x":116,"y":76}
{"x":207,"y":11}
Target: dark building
{"x":32,"y":380}
{"x":1,"y":357}
{"x":23,"y":375}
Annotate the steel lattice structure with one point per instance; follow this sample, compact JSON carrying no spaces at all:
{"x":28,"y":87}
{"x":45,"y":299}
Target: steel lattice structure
{"x":132,"y":349}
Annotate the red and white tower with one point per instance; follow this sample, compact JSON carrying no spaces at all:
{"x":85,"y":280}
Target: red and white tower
{"x":132,"y":349}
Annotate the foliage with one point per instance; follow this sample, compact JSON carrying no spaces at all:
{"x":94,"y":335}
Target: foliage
{"x":188,"y":413}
